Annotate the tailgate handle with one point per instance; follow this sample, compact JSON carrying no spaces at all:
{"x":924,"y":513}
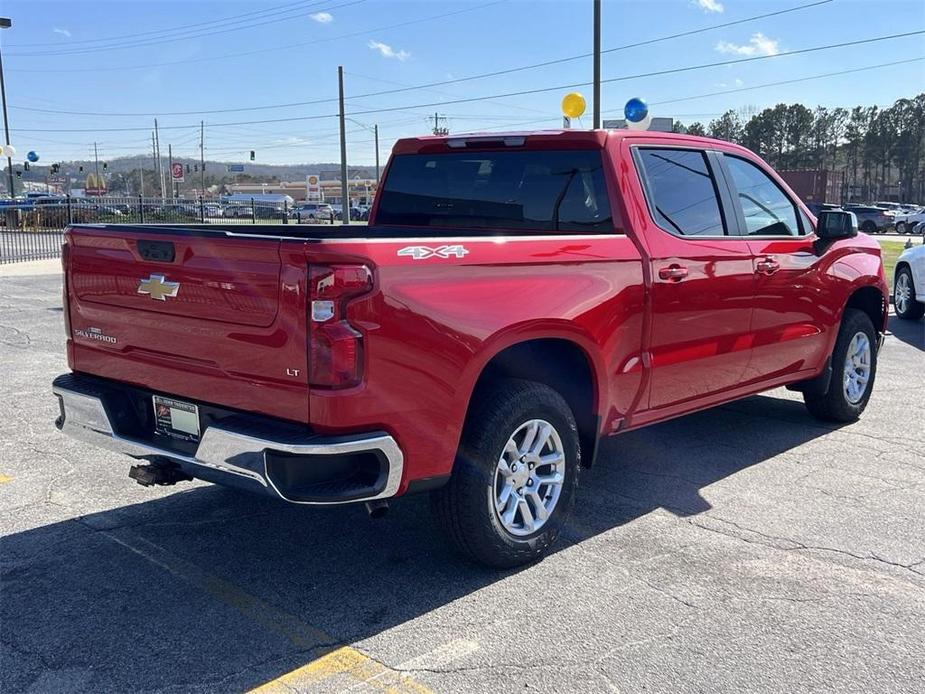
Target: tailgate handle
{"x":162,"y":251}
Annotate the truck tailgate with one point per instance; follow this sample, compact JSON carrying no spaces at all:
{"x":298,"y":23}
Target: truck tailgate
{"x":205,"y":315}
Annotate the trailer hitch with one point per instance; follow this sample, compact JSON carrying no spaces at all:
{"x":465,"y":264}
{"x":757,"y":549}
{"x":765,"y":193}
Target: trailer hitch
{"x":160,"y":473}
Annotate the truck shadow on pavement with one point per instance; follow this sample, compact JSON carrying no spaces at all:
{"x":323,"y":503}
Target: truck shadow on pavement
{"x":912,"y":332}
{"x":211,"y":589}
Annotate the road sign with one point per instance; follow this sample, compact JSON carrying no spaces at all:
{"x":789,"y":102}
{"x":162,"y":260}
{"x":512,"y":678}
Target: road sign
{"x":235,"y":168}
{"x":176,"y":172}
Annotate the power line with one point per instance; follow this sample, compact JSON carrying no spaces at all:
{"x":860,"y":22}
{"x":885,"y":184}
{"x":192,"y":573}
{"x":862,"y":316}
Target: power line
{"x":406,"y":88}
{"x":169,"y":39}
{"x":275,"y":48}
{"x":211,"y":23}
{"x":524,"y":92}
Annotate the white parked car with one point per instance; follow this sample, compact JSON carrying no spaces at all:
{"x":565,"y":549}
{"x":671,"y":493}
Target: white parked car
{"x":909,"y":283}
{"x":906,"y":222}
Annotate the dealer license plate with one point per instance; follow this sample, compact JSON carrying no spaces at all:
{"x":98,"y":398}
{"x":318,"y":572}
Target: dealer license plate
{"x":176,"y":418}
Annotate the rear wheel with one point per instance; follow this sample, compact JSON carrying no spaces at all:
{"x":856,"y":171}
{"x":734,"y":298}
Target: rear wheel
{"x":869,"y":227}
{"x":854,"y":366}
{"x":900,"y":227}
{"x":904,"y":297}
{"x":515,"y":475}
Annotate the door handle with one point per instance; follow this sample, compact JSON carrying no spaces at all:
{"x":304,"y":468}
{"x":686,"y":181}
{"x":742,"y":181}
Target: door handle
{"x":674,"y":273}
{"x":767,"y":266}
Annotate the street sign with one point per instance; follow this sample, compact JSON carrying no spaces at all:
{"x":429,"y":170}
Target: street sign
{"x":235,"y":168}
{"x":313,"y":187}
{"x":176,"y":172}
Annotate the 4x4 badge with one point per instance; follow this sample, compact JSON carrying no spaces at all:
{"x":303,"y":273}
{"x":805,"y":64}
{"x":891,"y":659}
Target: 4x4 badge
{"x":422,"y":252}
{"x":157,"y":287}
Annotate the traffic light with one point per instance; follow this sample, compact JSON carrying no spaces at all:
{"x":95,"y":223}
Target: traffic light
{"x":105,"y":165}
{"x":187,"y":168}
{"x":252,"y":155}
{"x":19,"y":174}
{"x":80,"y":169}
{"x":55,"y":168}
{"x":25,"y":165}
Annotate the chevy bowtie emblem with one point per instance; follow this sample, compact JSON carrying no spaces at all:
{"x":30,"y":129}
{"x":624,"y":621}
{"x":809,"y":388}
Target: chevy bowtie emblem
{"x":157,"y":287}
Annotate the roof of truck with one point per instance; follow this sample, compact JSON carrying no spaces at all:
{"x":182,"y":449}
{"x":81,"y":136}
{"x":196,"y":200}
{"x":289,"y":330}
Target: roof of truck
{"x":541,"y":139}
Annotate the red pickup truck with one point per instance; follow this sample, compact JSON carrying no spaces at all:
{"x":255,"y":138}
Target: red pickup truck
{"x":514,"y":299}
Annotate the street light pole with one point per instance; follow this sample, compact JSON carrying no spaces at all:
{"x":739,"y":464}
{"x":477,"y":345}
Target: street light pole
{"x":597,"y":64}
{"x":345,"y":193}
{"x":6,"y":23}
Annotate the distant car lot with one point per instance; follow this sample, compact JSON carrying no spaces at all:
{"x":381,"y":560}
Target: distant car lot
{"x":746,"y":548}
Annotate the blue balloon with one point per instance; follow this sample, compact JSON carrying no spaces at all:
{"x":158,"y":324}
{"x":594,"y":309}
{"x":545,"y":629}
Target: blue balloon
{"x":636,"y":110}
{"x":32,"y":156}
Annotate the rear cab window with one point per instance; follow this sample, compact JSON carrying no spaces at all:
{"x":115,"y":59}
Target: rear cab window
{"x":541,"y":191}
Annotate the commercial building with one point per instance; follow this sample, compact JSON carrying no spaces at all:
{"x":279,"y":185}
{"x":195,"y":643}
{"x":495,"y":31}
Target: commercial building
{"x":362,"y":190}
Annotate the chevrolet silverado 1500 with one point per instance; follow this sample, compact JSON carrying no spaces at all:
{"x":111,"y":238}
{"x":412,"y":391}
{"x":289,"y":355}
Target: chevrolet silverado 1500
{"x":514,"y":300}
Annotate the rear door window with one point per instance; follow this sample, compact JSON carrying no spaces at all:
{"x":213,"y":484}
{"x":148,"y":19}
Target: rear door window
{"x":542,"y":191}
{"x":681,"y":191}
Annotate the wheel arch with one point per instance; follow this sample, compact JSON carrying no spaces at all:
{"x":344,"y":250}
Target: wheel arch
{"x":870,"y":300}
{"x":562,"y":363}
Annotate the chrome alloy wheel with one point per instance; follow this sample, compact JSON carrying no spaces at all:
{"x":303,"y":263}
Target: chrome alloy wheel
{"x":857,"y":368}
{"x":529,"y":477}
{"x":902,"y":293}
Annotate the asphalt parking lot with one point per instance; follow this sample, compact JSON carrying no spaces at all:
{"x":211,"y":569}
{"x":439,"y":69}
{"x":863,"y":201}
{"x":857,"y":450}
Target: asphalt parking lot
{"x":746,"y":548}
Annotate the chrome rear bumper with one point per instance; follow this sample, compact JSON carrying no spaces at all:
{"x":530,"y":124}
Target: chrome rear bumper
{"x":227,"y":454}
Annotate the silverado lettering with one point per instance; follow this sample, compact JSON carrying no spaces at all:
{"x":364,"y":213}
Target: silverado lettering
{"x":579,"y":284}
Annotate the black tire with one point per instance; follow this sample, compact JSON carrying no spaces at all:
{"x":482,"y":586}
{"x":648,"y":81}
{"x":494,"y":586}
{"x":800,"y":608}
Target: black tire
{"x":913,"y":309}
{"x":900,"y":227}
{"x":869,"y":227}
{"x":465,"y":506}
{"x":834,"y":405}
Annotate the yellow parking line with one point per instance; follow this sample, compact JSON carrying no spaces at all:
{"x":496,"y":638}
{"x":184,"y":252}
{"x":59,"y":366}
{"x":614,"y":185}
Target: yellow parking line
{"x":351,"y":667}
{"x":343,"y":663}
{"x":5,"y":478}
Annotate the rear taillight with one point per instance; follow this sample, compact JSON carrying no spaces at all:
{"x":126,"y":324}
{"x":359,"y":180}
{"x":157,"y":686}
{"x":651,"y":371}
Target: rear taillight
{"x":65,"y":263}
{"x":335,"y":346}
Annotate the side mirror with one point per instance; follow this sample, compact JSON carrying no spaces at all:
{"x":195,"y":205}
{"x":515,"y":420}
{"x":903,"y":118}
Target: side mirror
{"x":832,"y":225}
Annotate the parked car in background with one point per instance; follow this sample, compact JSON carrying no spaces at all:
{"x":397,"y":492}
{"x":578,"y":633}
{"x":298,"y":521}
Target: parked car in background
{"x":906,"y":221}
{"x":236,"y":211}
{"x":313,"y":212}
{"x":212,"y":210}
{"x":909,"y":283}
{"x":871,"y":219}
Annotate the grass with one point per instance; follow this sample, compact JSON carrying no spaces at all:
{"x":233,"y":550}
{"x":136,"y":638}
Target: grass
{"x":891,"y":251}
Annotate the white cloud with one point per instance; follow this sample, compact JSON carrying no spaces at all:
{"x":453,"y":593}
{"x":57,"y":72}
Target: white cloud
{"x":739,"y":82}
{"x":758,"y":44}
{"x":709,"y":5}
{"x":386,"y":51}
{"x":63,"y":32}
{"x":322,"y":17}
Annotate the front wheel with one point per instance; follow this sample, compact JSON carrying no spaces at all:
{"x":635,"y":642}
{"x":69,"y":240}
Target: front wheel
{"x":854,"y":366}
{"x":900,"y":227}
{"x":515,"y":475}
{"x":904,"y":296}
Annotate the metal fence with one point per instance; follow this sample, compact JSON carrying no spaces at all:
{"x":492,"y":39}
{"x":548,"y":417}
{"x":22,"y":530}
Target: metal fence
{"x":34,"y":229}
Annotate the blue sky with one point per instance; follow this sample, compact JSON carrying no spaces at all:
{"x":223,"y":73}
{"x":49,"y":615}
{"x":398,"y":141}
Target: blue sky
{"x":157,"y":57}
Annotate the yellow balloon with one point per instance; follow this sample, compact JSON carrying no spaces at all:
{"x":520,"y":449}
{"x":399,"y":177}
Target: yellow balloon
{"x":573,"y":105}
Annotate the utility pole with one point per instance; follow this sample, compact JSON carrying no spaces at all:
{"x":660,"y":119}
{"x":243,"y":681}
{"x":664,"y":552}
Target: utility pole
{"x":437,"y":129}
{"x":6,"y":23}
{"x":345,"y":194}
{"x":160,"y":168}
{"x":96,"y":158}
{"x":376,"y":135}
{"x":153,"y":156}
{"x":173,"y":188}
{"x":597,"y":64}
{"x":202,"y":158}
